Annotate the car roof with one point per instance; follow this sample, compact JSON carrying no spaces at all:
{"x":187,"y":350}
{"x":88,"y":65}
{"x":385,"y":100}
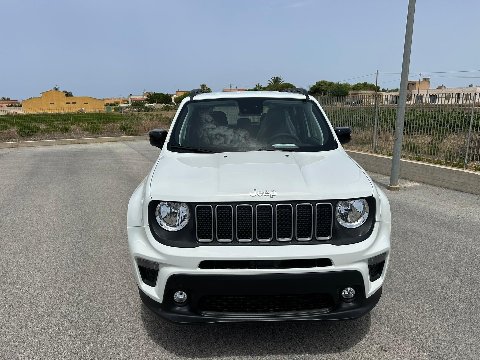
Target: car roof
{"x":248,"y":94}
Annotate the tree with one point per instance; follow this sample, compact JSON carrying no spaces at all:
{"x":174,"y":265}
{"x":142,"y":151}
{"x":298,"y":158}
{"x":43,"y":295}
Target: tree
{"x":321,"y":87}
{"x":365,"y":86}
{"x":340,"y":89}
{"x":178,"y":99}
{"x":205,"y":88}
{"x":279,"y":87}
{"x":68,"y":93}
{"x":5,"y":98}
{"x":324,"y":87}
{"x":159,"y":98}
{"x":275,"y":81}
{"x":389,"y":90}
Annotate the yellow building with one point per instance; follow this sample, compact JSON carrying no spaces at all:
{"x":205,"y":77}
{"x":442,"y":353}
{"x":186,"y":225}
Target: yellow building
{"x":55,"y":101}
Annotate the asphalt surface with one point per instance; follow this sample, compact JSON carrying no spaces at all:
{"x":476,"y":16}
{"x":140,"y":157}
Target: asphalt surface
{"x":67,"y":289}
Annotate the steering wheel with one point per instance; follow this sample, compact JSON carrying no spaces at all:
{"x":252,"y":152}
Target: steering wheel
{"x":273,"y":139}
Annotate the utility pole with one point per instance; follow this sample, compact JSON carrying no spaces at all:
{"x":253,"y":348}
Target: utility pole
{"x":397,"y":148}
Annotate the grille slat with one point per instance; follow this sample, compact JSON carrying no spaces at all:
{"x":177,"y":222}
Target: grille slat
{"x":245,"y":223}
{"x":278,"y":222}
{"x":224,"y":220}
{"x":304,"y":222}
{"x":204,"y":220}
{"x":264,"y":223}
{"x":284,"y":222}
{"x":323,"y":221}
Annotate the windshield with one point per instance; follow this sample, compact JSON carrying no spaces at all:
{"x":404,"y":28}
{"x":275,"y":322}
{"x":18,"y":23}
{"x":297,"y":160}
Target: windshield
{"x":248,"y":124}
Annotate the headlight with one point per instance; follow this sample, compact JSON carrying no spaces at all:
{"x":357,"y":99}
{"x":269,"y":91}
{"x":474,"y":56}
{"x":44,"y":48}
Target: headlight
{"x":352,"y":213}
{"x":172,"y":216}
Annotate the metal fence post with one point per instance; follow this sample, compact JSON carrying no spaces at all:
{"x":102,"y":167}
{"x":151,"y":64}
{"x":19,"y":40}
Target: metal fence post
{"x":375,"y":121}
{"x":397,"y":148}
{"x":470,"y":131}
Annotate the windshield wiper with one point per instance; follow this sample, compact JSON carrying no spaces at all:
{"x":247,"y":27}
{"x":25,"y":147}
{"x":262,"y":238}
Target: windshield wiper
{"x":190,"y":149}
{"x":280,"y":147}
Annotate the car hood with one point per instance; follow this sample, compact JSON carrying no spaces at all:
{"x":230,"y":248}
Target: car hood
{"x":255,"y":175}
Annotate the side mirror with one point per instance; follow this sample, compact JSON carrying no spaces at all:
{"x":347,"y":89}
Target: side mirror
{"x":344,"y":134}
{"x":157,"y":137}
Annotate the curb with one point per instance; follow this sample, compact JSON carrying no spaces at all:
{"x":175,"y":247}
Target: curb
{"x":437,"y":175}
{"x":85,"y":140}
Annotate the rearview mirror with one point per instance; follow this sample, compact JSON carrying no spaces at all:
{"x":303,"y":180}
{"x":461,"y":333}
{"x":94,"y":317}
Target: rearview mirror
{"x":344,"y":134}
{"x":157,"y":137}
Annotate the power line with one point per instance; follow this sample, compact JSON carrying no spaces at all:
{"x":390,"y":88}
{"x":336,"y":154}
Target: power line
{"x":358,"y":77}
{"x":456,"y":77}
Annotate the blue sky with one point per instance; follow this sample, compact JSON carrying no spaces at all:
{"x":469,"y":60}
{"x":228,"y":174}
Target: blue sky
{"x":113,"y":47}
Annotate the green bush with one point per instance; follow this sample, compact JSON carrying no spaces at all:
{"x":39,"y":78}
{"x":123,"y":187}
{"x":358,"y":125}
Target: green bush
{"x":26,"y":130}
{"x":128,"y":129}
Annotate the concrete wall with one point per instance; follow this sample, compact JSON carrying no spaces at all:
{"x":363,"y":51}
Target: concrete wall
{"x":456,"y":179}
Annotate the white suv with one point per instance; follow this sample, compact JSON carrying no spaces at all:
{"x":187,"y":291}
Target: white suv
{"x":254,"y":211}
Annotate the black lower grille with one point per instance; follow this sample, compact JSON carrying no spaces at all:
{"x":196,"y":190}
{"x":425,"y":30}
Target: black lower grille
{"x":265,"y":264}
{"x":265,"y":303}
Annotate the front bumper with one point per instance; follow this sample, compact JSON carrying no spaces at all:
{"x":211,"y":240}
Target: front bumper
{"x":263,"y":292}
{"x":180,"y":269}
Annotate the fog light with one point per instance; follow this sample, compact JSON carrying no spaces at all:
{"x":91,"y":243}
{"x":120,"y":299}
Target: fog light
{"x":180,"y":297}
{"x":348,"y":293}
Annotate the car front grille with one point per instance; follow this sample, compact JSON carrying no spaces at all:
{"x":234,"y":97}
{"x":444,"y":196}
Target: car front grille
{"x":302,"y":222}
{"x":265,"y":303}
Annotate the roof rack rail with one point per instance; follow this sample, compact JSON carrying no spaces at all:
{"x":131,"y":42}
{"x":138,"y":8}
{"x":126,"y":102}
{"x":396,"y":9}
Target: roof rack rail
{"x":195,"y":92}
{"x":297,"y":91}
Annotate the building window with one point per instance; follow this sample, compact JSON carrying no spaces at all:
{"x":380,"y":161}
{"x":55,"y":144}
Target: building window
{"x":85,"y":103}
{"x":74,"y":102}
{"x":68,"y":102}
{"x":52,"y":103}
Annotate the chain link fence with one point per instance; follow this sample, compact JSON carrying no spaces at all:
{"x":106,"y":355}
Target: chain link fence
{"x":441,"y":128}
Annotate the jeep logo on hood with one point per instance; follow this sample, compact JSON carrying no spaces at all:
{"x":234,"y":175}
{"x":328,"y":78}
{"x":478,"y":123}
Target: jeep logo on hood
{"x":259,"y":193}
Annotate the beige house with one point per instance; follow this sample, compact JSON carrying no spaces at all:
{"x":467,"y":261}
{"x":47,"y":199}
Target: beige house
{"x":56,"y":101}
{"x":420,"y":84}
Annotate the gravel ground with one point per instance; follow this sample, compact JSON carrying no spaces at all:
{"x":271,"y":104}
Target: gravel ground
{"x":67,"y":290}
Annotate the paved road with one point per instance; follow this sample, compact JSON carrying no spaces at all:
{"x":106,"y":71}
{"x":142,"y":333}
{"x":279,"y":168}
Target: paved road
{"x":67,"y":291}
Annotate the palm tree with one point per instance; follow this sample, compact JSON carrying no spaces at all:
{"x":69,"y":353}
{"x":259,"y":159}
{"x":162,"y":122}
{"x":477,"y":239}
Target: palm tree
{"x":275,"y":81}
